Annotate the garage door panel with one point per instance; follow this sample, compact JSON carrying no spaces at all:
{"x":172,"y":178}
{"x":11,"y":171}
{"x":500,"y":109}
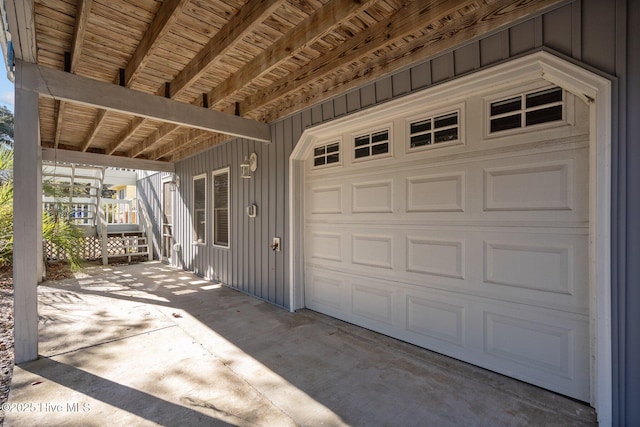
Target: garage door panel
{"x":372,"y":250}
{"x":435,"y":257}
{"x":436,"y":319}
{"x":435,"y":193}
{"x":325,"y":200}
{"x":325,"y":291}
{"x":372,"y":303}
{"x":372,"y":197}
{"x":326,"y":245}
{"x":539,"y":268}
{"x":541,"y":186}
{"x":541,"y":346}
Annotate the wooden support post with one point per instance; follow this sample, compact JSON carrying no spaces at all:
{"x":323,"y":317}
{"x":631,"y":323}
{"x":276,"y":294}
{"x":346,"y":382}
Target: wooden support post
{"x":27,"y":223}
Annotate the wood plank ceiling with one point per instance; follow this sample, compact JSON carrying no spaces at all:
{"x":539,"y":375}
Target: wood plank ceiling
{"x":261,"y":59}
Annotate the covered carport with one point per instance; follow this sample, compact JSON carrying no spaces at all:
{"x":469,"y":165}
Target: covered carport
{"x":162,"y":85}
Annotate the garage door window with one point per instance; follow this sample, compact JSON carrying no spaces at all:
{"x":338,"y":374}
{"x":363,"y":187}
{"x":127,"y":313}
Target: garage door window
{"x":372,"y":145}
{"x":528,"y":109}
{"x":328,"y":154}
{"x":441,"y":129}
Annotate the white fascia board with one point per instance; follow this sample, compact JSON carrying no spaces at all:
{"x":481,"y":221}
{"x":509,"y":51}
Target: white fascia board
{"x":81,"y":90}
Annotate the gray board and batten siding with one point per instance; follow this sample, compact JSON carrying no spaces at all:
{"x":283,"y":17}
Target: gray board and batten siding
{"x":599,"y":35}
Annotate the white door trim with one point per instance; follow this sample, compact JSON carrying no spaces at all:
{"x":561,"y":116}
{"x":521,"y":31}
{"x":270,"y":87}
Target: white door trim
{"x":166,"y":180}
{"x":590,"y":87}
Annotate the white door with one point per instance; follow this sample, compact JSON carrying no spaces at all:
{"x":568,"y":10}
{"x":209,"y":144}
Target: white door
{"x":466,"y":235}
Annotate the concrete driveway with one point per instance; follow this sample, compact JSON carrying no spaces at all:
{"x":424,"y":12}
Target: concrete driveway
{"x":147,"y":344}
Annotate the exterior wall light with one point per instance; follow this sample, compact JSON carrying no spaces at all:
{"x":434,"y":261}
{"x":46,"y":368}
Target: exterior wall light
{"x":249,"y":166}
{"x":174,"y":183}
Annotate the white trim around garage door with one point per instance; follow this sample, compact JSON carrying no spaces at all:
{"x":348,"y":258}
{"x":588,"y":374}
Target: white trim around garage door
{"x":595,"y":91}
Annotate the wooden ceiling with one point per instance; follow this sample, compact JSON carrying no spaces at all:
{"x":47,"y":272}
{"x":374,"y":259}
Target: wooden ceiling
{"x":260,"y":59}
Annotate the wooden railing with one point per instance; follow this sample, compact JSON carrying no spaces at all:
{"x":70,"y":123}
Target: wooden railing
{"x":120,"y":211}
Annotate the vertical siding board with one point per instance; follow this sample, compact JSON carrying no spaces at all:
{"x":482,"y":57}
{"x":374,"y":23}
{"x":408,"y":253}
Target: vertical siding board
{"x":297,"y":127}
{"x":235,"y":186}
{"x":264,"y":220}
{"x":494,"y":48}
{"x":316,"y":115}
{"x":339,"y":106}
{"x":538,"y":32}
{"x":557,"y":29}
{"x":280,"y":190}
{"x":252,"y":227}
{"x":576,"y":28}
{"x":598,"y":41}
{"x":368,"y":95}
{"x":327,"y":110}
{"x":273,"y":203}
{"x":421,"y":75}
{"x":353,"y":101}
{"x":288,"y":148}
{"x":259,"y":218}
{"x":306,"y":118}
{"x":244,"y":230}
{"x":401,"y":83}
{"x":522,"y":37}
{"x":384,"y":89}
{"x":442,"y":68}
{"x":466,"y":58}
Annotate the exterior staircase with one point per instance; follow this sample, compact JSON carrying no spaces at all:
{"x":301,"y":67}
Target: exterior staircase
{"x":113,"y":228}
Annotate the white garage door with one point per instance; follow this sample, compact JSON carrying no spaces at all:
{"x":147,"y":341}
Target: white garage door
{"x":463,"y":229}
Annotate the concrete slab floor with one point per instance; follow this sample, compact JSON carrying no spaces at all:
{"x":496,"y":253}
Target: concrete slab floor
{"x":148,"y":345}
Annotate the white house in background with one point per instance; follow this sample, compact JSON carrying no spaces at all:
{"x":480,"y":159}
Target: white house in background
{"x":458,"y":175}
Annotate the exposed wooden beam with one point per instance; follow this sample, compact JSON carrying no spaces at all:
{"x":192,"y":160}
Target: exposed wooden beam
{"x":56,"y":84}
{"x":197,"y":145}
{"x":95,"y":128}
{"x":165,"y":131}
{"x":82,"y":17}
{"x":300,"y":36}
{"x":61,"y":105}
{"x":459,"y":22}
{"x":162,"y":22}
{"x":50,"y":154}
{"x":190,"y":137}
{"x":132,"y":128}
{"x":165,"y":17}
{"x":241,"y":24}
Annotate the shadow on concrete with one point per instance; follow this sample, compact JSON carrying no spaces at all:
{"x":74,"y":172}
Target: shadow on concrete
{"x":314,"y":368}
{"x":126,"y":398}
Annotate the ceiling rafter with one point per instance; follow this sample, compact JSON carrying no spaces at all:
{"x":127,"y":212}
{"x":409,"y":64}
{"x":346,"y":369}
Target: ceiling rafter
{"x":241,"y":24}
{"x":198,"y":145}
{"x":165,"y":17}
{"x":461,"y":22}
{"x":162,"y":133}
{"x":304,"y":34}
{"x":82,"y":18}
{"x":223,"y":41}
{"x":192,"y":137}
